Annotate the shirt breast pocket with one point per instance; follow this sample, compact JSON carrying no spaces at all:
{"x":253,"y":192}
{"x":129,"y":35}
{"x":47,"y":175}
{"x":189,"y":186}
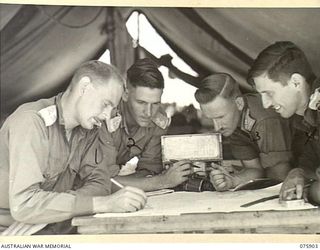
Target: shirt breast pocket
{"x":135,"y":151}
{"x":91,"y":160}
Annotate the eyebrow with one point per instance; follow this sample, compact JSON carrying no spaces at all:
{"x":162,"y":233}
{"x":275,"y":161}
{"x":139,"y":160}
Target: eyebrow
{"x":217,"y":117}
{"x":267,"y":91}
{"x":109,"y":103}
{"x":148,"y":102}
{"x":263,"y":91}
{"x":213,"y":117}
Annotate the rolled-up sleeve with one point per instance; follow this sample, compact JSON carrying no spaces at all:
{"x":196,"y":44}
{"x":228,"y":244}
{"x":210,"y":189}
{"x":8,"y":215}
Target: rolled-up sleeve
{"x":28,"y":155}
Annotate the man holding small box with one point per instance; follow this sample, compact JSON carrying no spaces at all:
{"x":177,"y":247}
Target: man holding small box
{"x":138,"y":132}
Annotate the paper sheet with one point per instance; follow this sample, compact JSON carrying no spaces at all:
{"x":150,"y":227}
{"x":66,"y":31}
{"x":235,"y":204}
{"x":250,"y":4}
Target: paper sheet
{"x":190,"y":202}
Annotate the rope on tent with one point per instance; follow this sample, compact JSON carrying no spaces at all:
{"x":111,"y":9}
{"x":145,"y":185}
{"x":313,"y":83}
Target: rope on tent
{"x":69,"y":25}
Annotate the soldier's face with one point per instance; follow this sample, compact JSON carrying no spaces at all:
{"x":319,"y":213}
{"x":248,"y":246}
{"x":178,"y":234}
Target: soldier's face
{"x":143,"y":103}
{"x":284,"y":99}
{"x":97,"y":103}
{"x":224,"y":113}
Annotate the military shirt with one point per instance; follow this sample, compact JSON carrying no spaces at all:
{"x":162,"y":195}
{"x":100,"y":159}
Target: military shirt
{"x":38,"y":165}
{"x":131,"y":140}
{"x":261,"y":133}
{"x":309,"y":125}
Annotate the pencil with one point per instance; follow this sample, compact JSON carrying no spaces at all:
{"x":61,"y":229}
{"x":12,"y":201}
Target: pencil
{"x":116,"y":183}
{"x":222,"y":169}
{"x":260,"y":200}
{"x":121,"y":186}
{"x":270,"y":197}
{"x":293,"y":189}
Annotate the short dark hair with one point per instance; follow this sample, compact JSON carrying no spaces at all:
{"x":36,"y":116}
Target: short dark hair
{"x":145,"y":73}
{"x":217,"y":84}
{"x":98,"y":72}
{"x":279,"y":61}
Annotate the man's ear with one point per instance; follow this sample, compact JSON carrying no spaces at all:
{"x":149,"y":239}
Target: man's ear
{"x":84,"y":82}
{"x":296,"y":80}
{"x":240,"y":103}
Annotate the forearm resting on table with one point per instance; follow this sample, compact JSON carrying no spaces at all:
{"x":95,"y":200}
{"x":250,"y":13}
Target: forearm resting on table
{"x":247,"y":174}
{"x":252,"y":170}
{"x":279,"y":171}
{"x":50,"y":207}
{"x":314,"y":192}
{"x":145,"y":183}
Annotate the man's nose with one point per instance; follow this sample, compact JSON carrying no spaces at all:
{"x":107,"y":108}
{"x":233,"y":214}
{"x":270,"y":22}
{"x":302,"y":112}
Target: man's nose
{"x":266,"y":101}
{"x":106,"y":113}
{"x":217,"y":125}
{"x":148,"y":110}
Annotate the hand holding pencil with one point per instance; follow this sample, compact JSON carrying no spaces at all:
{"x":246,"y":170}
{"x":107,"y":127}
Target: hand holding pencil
{"x":127,"y":199}
{"x":220,"y":178}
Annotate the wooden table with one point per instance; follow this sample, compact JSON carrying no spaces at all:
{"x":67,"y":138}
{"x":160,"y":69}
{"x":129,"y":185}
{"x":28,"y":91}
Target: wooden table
{"x":284,"y":222}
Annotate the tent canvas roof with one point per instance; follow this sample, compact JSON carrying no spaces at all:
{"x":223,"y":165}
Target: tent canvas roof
{"x":42,"y":45}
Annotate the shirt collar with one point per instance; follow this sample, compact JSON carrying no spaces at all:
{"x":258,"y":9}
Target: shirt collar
{"x":59,"y":108}
{"x":243,"y":112}
{"x":60,"y":114}
{"x":127,"y":119}
{"x":312,"y":117}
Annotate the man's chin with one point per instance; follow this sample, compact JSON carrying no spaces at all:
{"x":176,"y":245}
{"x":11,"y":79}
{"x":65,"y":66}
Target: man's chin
{"x":145,"y":123}
{"x":227,"y":133}
{"x":89,"y":125}
{"x":286,"y":114}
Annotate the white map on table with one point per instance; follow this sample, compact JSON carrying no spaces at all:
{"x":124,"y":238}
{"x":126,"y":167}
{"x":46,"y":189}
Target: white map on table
{"x":209,"y":202}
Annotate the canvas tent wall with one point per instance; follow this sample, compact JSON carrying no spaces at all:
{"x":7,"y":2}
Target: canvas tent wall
{"x":42,"y":45}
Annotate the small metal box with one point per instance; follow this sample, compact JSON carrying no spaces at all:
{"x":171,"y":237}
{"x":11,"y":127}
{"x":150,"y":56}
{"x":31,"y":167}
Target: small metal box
{"x":194,"y":147}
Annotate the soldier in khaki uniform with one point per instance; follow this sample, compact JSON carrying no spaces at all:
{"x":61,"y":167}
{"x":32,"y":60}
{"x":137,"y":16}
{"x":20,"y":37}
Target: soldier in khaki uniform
{"x":139,"y":131}
{"x":248,"y":126}
{"x":42,"y":149}
{"x":283,"y":76}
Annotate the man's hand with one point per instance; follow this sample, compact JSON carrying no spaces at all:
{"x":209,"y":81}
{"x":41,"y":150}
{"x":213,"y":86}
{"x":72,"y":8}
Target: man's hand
{"x":127,"y":199}
{"x":177,"y":174}
{"x":199,"y":168}
{"x":220,"y":180}
{"x":292,"y":187}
